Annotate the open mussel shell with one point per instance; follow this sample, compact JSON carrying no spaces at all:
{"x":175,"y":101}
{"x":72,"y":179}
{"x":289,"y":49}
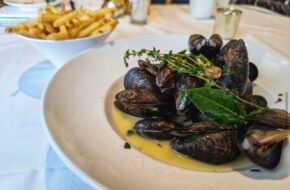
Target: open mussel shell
{"x":274,"y":118}
{"x":198,"y":44}
{"x":214,"y":45}
{"x":151,"y":68}
{"x":215,"y":147}
{"x":143,"y":103}
{"x":139,"y":78}
{"x":165,"y":80}
{"x":256,"y":143}
{"x":156,"y":128}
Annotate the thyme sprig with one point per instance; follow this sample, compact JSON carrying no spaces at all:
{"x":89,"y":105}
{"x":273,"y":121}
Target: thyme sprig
{"x":185,"y":64}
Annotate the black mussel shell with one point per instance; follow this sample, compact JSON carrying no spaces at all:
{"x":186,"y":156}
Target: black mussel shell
{"x":249,"y":88}
{"x":219,"y":60}
{"x":156,"y":128}
{"x":152,"y":69}
{"x":198,"y":116}
{"x":235,"y":57}
{"x":197,"y":43}
{"x":165,"y":79}
{"x":214,"y":148}
{"x":214,"y":45}
{"x":143,"y":103}
{"x":139,"y":78}
{"x":274,"y":118}
{"x":183,"y":82}
{"x":255,"y":99}
{"x":267,"y":155}
{"x":204,"y":127}
{"x":253,"y":71}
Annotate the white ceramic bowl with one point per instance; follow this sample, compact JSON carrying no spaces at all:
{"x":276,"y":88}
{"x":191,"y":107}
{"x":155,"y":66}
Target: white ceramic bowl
{"x":61,"y":51}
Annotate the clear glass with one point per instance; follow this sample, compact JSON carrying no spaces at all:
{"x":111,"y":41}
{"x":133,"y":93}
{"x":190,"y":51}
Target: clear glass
{"x":227,"y":22}
{"x":139,"y":11}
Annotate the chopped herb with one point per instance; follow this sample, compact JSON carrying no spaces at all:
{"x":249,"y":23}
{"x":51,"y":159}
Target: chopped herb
{"x":278,"y":100}
{"x":130,"y":132}
{"x":255,"y":170}
{"x":127,"y":146}
{"x":159,"y":145}
{"x":280,"y":94}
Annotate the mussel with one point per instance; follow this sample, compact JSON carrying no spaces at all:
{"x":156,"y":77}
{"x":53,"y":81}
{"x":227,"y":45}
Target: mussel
{"x":152,"y":69}
{"x":143,"y":103}
{"x":139,"y":78}
{"x":234,"y":57}
{"x":253,"y":72}
{"x":212,"y":143}
{"x":274,"y":118}
{"x":165,"y":79}
{"x":255,"y":99}
{"x":198,"y":44}
{"x":262,"y":145}
{"x":156,"y":128}
{"x":184,"y":82}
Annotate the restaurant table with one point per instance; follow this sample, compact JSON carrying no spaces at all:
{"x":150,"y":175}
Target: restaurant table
{"x":27,"y":162}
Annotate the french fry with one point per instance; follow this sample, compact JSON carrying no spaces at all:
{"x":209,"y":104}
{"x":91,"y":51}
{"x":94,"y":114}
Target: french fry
{"x":74,"y":32}
{"x":62,"y":29}
{"x":60,"y":24}
{"x":52,"y":9}
{"x":62,"y":20}
{"x":49,"y":29}
{"x":49,"y":18}
{"x":86,"y":31}
{"x":69,"y":24}
{"x":109,"y":26}
{"x":25,"y":33}
{"x":84,"y":17}
{"x":57,"y":36}
{"x":39,"y":15}
{"x":99,"y":13}
{"x":76,"y":22}
{"x":40,"y":26}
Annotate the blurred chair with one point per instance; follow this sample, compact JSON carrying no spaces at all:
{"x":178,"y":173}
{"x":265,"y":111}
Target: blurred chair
{"x":279,"y":6}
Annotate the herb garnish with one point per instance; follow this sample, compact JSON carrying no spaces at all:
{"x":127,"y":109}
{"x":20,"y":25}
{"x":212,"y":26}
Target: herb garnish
{"x":217,"y":104}
{"x":199,"y":66}
{"x":127,"y":146}
{"x":159,"y":145}
{"x":130,"y":132}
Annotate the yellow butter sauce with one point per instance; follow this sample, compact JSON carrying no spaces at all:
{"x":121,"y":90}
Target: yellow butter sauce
{"x":161,"y":151}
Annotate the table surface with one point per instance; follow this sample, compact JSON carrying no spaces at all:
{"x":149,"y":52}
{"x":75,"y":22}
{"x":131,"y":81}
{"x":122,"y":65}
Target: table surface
{"x":26,"y":159}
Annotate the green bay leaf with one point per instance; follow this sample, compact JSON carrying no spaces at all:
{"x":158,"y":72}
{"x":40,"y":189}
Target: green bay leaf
{"x":217,"y":104}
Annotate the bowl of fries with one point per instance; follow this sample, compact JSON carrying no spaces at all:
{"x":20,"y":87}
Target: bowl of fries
{"x":60,"y":34}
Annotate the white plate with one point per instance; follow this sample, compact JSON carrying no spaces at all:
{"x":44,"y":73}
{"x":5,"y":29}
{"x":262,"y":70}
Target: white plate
{"x":30,"y":5}
{"x":77,"y":114}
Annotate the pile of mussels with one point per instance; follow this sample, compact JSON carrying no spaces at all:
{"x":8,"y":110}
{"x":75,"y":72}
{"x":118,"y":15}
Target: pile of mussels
{"x":153,"y":92}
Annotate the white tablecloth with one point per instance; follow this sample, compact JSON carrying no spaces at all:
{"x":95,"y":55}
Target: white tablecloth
{"x":26,"y":160}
